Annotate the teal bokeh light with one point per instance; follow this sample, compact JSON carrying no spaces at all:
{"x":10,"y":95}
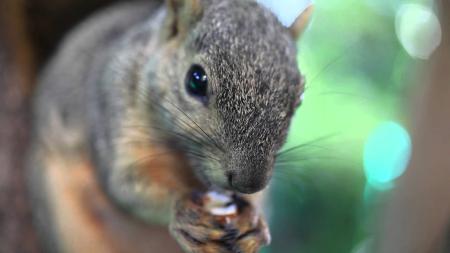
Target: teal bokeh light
{"x":386,"y":154}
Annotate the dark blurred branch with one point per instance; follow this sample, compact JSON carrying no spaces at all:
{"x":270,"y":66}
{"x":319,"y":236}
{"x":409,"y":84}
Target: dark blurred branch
{"x":16,"y":74}
{"x":417,"y":217}
{"x":49,"y":20}
{"x":29,"y":32}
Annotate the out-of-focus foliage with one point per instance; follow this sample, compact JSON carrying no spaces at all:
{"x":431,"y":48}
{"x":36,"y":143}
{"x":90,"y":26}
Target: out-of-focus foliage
{"x":357,"y":76}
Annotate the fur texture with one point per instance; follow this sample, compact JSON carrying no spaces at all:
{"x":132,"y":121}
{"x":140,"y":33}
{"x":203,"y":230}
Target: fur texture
{"x":114,"y":96}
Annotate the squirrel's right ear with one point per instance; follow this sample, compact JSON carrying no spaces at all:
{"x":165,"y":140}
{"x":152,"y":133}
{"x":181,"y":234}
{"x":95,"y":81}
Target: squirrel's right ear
{"x":301,"y":22}
{"x":181,"y":15}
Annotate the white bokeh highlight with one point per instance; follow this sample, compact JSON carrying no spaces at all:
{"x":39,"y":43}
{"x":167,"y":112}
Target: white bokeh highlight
{"x":418,"y":30}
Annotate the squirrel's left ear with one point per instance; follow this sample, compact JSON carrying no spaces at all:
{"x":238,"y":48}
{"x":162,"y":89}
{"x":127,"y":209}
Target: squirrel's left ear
{"x":181,"y":15}
{"x":300,"y":23}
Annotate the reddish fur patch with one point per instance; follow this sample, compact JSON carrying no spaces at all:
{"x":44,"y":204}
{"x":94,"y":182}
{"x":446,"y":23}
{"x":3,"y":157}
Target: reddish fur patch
{"x":88,"y":222}
{"x":169,"y":170}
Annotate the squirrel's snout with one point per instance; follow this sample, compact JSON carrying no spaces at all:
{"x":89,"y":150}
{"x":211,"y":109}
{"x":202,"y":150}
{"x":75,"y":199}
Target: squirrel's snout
{"x":246,"y":172}
{"x":246,"y":183}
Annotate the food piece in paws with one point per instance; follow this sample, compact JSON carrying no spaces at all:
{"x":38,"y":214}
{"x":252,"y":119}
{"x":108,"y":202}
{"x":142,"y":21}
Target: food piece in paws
{"x":206,"y":222}
{"x":220,"y":204}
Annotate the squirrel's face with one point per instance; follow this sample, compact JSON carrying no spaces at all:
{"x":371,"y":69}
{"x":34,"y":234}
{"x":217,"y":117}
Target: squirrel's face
{"x":232,"y":86}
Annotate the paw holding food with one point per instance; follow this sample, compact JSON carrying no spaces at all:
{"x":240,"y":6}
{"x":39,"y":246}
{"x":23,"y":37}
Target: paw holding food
{"x":215,"y":222}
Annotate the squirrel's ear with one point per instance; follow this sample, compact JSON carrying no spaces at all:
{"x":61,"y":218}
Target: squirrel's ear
{"x":181,"y":14}
{"x":300,"y":23}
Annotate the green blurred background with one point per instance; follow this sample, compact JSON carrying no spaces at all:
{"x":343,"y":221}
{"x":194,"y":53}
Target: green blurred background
{"x":361,"y":60}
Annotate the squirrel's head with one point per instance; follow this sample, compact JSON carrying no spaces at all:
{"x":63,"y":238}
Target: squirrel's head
{"x":228,"y":85}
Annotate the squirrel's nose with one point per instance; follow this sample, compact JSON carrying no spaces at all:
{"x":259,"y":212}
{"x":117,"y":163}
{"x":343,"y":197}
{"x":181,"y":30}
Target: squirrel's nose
{"x":246,"y":183}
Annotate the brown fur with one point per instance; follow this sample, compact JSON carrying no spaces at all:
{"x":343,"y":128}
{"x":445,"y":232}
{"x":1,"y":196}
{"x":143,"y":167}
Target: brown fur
{"x":120,"y":145}
{"x":88,"y":222}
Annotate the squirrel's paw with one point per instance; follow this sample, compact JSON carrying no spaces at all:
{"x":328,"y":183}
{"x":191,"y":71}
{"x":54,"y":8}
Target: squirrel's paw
{"x":199,"y":231}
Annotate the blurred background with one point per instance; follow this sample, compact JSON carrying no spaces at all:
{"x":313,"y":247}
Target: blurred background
{"x":350,"y":142}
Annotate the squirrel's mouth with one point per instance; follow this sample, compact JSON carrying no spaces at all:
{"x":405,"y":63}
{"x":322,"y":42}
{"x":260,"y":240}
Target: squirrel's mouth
{"x":213,"y":175}
{"x":228,"y":182}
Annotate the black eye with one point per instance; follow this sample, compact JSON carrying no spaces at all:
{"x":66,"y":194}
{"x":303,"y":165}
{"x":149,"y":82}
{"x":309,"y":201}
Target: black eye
{"x":197,"y":82}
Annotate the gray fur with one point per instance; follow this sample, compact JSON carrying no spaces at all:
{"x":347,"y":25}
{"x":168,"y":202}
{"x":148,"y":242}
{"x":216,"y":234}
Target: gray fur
{"x":118,"y":71}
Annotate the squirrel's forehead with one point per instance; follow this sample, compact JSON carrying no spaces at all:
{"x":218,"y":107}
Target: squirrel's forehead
{"x":243,"y":27}
{"x":242,"y":39}
{"x":237,"y":16}
{"x":250,"y":63}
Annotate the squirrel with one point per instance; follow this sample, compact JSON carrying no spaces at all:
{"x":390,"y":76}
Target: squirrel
{"x":147,"y":103}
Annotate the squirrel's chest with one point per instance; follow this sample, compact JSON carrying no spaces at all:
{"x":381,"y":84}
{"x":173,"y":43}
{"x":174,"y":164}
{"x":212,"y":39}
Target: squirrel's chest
{"x":80,"y":207}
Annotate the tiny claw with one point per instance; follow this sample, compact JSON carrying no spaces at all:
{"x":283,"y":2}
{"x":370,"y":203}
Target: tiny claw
{"x":230,"y":235}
